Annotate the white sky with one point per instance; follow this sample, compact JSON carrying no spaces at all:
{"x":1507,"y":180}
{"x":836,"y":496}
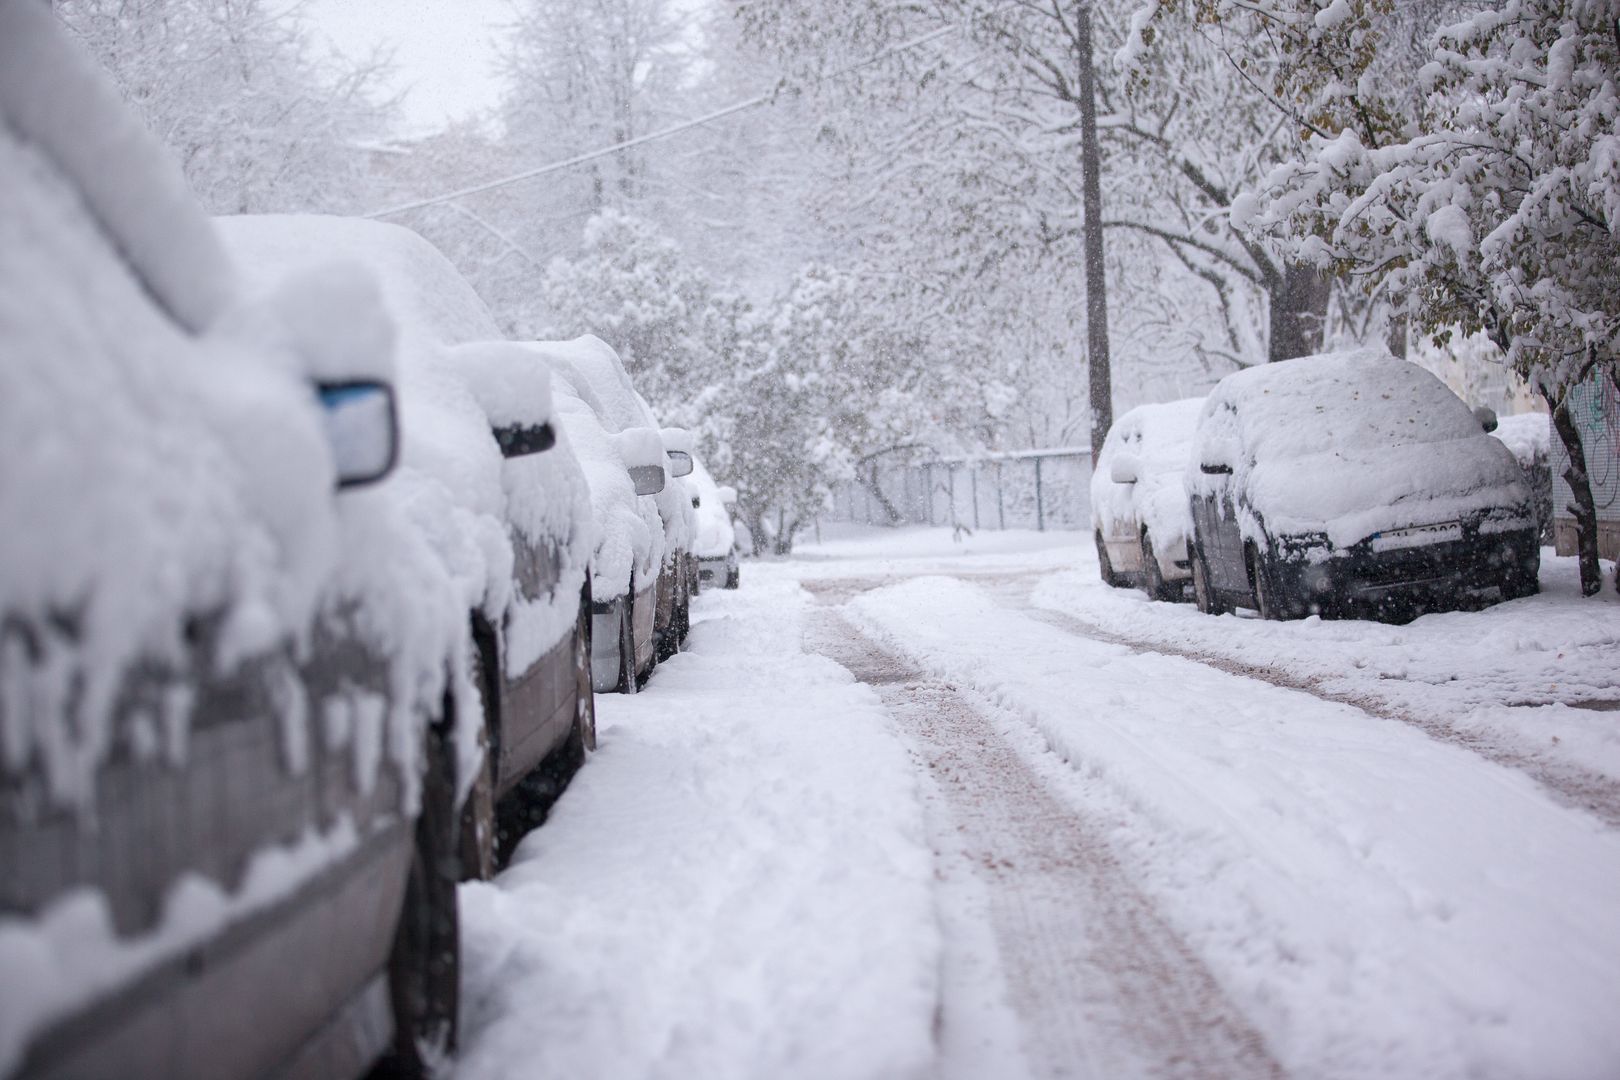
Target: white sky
{"x":444,"y":50}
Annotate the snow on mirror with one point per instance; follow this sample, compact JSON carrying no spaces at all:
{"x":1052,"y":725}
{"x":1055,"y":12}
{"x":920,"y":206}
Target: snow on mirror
{"x":1124,"y":469}
{"x":521,"y":440}
{"x":643,"y":453}
{"x":680,"y":463}
{"x":362,"y":428}
{"x":649,"y":479}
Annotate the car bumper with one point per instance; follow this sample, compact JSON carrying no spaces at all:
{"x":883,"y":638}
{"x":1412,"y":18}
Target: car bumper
{"x":1443,"y":569}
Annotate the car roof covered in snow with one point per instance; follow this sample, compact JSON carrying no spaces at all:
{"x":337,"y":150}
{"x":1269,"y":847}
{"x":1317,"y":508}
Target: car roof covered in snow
{"x":1359,"y":398}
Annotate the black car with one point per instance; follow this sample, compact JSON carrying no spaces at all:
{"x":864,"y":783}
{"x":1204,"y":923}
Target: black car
{"x":1353,"y":482}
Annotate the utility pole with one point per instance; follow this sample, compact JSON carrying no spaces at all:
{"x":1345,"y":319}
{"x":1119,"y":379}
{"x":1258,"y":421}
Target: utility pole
{"x":1101,"y":380}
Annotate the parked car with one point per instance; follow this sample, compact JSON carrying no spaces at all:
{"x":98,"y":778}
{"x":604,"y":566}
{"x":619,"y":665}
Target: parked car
{"x":1139,"y":510}
{"x":716,"y":540}
{"x":1527,"y":436}
{"x":225,"y":774}
{"x":1352,"y":481}
{"x":509,"y":515}
{"x":623,"y":469}
{"x":679,"y":445}
{"x":624,"y":413}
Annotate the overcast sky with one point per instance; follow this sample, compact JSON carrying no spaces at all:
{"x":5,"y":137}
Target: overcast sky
{"x":445,"y":52}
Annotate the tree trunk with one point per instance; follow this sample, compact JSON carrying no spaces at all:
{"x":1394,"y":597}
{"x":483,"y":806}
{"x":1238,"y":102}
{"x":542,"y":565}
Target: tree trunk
{"x":1397,"y":336}
{"x":870,"y":482}
{"x":755,"y":519}
{"x":1097,"y":360}
{"x":1584,"y":509}
{"x":1298,"y":312}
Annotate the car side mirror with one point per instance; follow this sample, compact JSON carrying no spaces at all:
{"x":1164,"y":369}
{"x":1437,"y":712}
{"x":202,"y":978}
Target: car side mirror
{"x":1486,"y":417}
{"x":521,"y":440}
{"x":649,"y":479}
{"x":361,"y":421}
{"x":728,"y":496}
{"x":680,"y":463}
{"x":1123,"y":469}
{"x":1210,"y":468}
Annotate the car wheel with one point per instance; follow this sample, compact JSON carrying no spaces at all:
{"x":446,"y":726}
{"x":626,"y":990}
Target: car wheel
{"x":1267,"y":600}
{"x":584,"y":697}
{"x":1520,"y":582}
{"x":478,"y":825}
{"x":1106,"y":568}
{"x":526,"y":807}
{"x":628,"y":681}
{"x":1152,"y":576}
{"x":424,"y":969}
{"x":1204,"y":595}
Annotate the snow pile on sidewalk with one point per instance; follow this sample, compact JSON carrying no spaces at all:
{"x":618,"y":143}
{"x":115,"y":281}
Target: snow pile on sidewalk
{"x":1379,"y":903}
{"x":736,"y":885}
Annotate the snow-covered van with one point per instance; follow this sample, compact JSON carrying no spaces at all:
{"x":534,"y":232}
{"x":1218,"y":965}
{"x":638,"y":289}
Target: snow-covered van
{"x":508,"y":513}
{"x":1139,"y":513}
{"x":1352,"y":481}
{"x":224,"y":777}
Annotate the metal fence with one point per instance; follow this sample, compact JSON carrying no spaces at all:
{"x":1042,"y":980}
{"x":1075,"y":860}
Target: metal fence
{"x":1027,"y":489}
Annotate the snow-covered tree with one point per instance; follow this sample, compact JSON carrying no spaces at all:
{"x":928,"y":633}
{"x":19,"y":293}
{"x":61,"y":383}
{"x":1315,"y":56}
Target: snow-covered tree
{"x":236,"y":89}
{"x":630,"y":285}
{"x":1499,"y":212}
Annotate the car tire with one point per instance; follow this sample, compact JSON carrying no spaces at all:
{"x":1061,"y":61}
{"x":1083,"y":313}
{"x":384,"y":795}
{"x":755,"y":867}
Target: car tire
{"x":629,"y":679}
{"x":584,"y":695}
{"x":1521,"y":582}
{"x":424,"y":968}
{"x":1106,"y":568}
{"x":478,"y":827}
{"x":1267,"y":599}
{"x":526,"y":807}
{"x":1152,"y":576}
{"x":1205,"y":597}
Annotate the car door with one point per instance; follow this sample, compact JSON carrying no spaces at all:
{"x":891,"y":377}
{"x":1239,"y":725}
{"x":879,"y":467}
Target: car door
{"x":1216,"y":511}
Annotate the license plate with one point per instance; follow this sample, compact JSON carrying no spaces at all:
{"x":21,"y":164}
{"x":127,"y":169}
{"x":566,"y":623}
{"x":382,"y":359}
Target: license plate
{"x":1417,"y":536}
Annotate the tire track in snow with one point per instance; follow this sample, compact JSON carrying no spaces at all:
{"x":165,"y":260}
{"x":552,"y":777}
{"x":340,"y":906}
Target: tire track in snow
{"x":1102,"y":985}
{"x":1582,"y":789}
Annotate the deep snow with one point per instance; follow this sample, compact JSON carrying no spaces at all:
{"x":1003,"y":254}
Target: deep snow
{"x":736,"y":885}
{"x":741,"y":881}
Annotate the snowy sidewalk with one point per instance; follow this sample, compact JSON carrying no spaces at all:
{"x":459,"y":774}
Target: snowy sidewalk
{"x":735,"y":885}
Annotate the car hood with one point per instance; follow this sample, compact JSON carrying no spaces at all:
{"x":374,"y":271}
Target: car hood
{"x":1349,"y":494}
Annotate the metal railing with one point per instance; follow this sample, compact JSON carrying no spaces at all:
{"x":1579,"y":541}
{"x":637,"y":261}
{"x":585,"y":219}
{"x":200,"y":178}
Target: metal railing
{"x":1024,"y":489}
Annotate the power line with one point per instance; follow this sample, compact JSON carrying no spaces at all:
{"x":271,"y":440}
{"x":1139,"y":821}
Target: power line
{"x":664,"y":133}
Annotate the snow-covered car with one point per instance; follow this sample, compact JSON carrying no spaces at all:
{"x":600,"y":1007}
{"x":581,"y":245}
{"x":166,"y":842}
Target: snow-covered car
{"x":685,"y":583}
{"x":624,"y":413}
{"x":1529,"y":436}
{"x":716,"y":541}
{"x":1139,"y":512}
{"x":1352,"y":481}
{"x":224,"y":782}
{"x":509,"y":516}
{"x":623,"y":470}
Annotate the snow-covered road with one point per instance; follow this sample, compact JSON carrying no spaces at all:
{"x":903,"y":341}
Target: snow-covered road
{"x":913,"y":807}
